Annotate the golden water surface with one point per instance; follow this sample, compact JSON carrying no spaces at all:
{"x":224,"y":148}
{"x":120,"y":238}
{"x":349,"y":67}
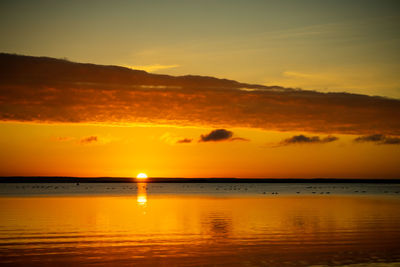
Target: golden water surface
{"x":199,"y":229}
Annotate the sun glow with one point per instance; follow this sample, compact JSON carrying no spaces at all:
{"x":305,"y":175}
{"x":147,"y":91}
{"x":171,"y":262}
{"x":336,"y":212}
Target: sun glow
{"x":141,"y":176}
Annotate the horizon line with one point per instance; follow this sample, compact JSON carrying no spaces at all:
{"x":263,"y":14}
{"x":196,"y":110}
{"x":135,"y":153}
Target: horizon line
{"x":72,"y":179}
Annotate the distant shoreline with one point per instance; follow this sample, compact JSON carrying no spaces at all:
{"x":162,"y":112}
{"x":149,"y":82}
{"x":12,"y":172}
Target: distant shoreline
{"x":59,"y":179}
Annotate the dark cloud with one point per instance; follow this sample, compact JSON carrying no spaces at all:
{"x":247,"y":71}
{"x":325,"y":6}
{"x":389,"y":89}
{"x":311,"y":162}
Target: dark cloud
{"x":391,"y":141}
{"x":220,"y":135}
{"x":47,"y":90}
{"x":302,"y":139}
{"x":89,"y":140}
{"x":370,"y":138}
{"x":217,"y":135}
{"x":184,"y":141}
{"x":379,"y":139}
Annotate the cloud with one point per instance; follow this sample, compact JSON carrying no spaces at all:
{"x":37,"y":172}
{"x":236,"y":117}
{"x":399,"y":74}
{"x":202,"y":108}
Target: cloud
{"x":220,"y":135}
{"x":63,"y":138}
{"x":84,"y":140}
{"x":379,"y":139}
{"x":391,"y":141}
{"x":184,"y":141}
{"x":89,"y":140}
{"x":45,"y":90}
{"x":216,"y":135}
{"x":239,"y":139}
{"x":370,"y":138}
{"x":153,"y":67}
{"x":329,"y":139}
{"x":173,"y":139}
{"x":360,"y":78}
{"x":302,"y":139}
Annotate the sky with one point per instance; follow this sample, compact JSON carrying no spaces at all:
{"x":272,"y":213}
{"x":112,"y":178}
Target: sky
{"x":323,"y":46}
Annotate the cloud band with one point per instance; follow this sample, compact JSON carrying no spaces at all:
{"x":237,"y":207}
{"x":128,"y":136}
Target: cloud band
{"x":107,"y":94}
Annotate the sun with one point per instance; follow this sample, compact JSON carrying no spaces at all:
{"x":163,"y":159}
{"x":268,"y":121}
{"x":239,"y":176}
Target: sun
{"x":141,"y":176}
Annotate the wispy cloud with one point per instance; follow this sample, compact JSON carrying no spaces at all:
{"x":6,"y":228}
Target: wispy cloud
{"x":184,"y":141}
{"x":379,"y":139}
{"x":63,"y":138}
{"x":152,"y":67}
{"x":302,"y":139}
{"x":92,"y":139}
{"x":89,"y":140}
{"x":172,"y":139}
{"x":239,"y":139}
{"x":357,"y":78}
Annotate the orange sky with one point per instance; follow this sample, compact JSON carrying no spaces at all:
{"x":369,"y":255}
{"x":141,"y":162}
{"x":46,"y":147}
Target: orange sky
{"x":61,"y":149}
{"x":63,"y":118}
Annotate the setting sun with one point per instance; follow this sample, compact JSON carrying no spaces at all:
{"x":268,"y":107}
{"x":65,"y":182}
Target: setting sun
{"x":141,"y":176}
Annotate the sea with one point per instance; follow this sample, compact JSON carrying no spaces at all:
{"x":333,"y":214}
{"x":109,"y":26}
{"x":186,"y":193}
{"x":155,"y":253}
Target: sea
{"x":199,"y":224}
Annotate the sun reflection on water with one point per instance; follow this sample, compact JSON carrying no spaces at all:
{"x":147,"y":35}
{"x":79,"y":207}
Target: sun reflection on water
{"x":142,"y":194}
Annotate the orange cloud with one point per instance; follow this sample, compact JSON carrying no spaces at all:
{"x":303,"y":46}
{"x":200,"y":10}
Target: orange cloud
{"x":63,"y":138}
{"x":50,"y":90}
{"x":89,"y":140}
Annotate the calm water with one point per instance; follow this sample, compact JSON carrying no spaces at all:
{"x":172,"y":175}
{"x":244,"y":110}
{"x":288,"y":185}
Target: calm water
{"x":200,"y":224}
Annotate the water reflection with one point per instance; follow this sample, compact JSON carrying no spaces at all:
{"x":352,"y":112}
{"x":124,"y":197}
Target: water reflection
{"x":217,"y":224}
{"x":142,"y":194}
{"x":198,"y":229}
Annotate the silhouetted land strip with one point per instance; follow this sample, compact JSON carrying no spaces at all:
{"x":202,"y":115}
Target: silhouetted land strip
{"x":57,"y":179}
